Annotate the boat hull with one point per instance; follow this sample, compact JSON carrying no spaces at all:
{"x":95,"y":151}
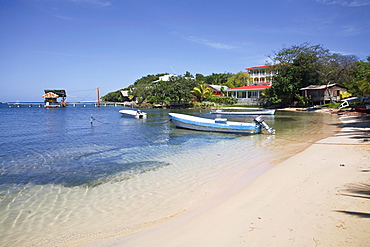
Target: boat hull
{"x":133,"y":113}
{"x":363,"y":110}
{"x":265,"y":112}
{"x":203,"y":124}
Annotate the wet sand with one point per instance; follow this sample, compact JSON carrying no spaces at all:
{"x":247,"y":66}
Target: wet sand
{"x":318,"y":197}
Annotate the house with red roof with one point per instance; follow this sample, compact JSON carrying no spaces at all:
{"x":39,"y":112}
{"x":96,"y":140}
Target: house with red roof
{"x":248,"y":95}
{"x":262,"y":74}
{"x":261,"y":80}
{"x":217,"y":89}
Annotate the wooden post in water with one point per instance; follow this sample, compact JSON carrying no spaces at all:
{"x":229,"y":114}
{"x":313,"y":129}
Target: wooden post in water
{"x":98,"y":95}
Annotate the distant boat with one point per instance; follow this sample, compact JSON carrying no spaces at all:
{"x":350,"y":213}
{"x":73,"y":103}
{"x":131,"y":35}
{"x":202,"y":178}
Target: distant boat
{"x":133,"y":113}
{"x":260,"y":112}
{"x":314,"y":108}
{"x":219,"y":124}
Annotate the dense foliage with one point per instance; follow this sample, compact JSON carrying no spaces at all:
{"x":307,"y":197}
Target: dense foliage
{"x":301,"y":65}
{"x":178,"y":88}
{"x":238,"y":80}
{"x":297,"y":66}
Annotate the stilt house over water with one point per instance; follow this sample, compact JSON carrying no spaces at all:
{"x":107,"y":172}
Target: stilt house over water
{"x":51,"y":97}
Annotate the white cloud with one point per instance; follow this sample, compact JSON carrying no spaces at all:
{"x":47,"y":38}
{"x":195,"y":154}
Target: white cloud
{"x":350,"y":30}
{"x":348,"y":3}
{"x":211,"y":44}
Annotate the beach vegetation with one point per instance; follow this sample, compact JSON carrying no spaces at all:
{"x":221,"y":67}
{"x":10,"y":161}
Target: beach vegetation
{"x":240,"y":79}
{"x":297,"y":66}
{"x":359,"y":80}
{"x":113,"y":97}
{"x":202,"y":92}
{"x":223,"y":100}
{"x":333,"y":105}
{"x":185,"y":88}
{"x":214,"y":78}
{"x":302,"y":65}
{"x":204,"y":104}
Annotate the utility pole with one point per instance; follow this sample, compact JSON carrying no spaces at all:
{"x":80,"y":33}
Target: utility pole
{"x":98,"y":95}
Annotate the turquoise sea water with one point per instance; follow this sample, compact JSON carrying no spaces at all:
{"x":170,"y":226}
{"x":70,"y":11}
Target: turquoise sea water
{"x":60,"y":175}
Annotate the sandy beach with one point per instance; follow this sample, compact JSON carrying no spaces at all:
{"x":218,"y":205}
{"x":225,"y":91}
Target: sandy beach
{"x":318,"y":197}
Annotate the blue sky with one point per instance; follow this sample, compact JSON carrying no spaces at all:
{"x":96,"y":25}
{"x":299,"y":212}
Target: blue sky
{"x":79,"y":45}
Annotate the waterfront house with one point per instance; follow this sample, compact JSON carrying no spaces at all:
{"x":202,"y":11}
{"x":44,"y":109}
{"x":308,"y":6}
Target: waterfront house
{"x":321,"y":94}
{"x":218,"y":90}
{"x":51,"y":97}
{"x":248,"y":95}
{"x":262,"y":75}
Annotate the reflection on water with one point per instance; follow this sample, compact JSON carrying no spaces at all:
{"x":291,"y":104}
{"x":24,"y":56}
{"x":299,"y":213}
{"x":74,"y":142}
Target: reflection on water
{"x":60,"y":175}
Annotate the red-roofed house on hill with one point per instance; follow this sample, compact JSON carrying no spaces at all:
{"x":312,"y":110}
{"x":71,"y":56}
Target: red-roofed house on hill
{"x":248,"y":95}
{"x":251,"y":94}
{"x":262,"y":74}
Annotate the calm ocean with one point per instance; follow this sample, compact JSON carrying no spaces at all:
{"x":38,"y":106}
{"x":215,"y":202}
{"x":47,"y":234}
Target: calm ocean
{"x":63,"y":179}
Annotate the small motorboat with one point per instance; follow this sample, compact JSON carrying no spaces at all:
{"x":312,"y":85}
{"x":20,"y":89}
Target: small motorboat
{"x":133,"y":113}
{"x":219,"y":124}
{"x":257,"y":112}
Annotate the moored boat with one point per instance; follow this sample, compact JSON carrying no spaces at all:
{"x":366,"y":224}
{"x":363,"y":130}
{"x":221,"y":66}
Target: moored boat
{"x":219,"y":124}
{"x":363,"y":110}
{"x":254,"y":112}
{"x":133,"y":113}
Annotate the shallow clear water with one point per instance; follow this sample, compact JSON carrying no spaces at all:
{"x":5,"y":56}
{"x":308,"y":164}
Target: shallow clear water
{"x":63,"y":179}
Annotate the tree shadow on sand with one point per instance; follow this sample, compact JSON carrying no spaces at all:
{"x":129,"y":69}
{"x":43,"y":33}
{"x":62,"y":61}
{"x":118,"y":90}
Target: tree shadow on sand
{"x":360,"y":190}
{"x":357,"y":129}
{"x":352,"y":213}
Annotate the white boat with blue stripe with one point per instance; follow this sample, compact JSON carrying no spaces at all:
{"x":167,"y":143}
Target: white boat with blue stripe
{"x":252,"y":112}
{"x":219,"y":124}
{"x":133,"y":113}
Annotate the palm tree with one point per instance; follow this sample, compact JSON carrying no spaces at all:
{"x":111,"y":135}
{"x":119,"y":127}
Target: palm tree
{"x":201,"y":92}
{"x":364,"y":84}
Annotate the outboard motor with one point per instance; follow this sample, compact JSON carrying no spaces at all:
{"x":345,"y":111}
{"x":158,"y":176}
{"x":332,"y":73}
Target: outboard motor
{"x":261,"y":121}
{"x":140,"y":114}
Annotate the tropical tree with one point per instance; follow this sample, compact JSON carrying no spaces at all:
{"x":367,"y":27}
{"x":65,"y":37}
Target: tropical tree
{"x":298,"y":66}
{"x":188,"y":75}
{"x":177,"y":88}
{"x":202,"y":92}
{"x":113,"y":96}
{"x":285,"y":86}
{"x":360,"y":82}
{"x":200,"y":78}
{"x":339,"y":68}
{"x":142,"y":88}
{"x":217,"y":79}
{"x":238,"y":80}
{"x":364,"y":84}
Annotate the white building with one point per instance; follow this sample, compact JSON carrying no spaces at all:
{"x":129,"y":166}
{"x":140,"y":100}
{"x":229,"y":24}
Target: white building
{"x":165,"y":78}
{"x":248,"y":95}
{"x":261,"y":75}
{"x":261,"y":80}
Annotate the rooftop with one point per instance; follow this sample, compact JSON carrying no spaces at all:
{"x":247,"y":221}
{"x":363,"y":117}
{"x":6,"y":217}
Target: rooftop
{"x":317,"y":87}
{"x":260,"y":67}
{"x":249,"y":88}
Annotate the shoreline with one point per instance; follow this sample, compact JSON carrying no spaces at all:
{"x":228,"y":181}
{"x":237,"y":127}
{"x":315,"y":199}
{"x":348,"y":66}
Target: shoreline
{"x":316,"y":197}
